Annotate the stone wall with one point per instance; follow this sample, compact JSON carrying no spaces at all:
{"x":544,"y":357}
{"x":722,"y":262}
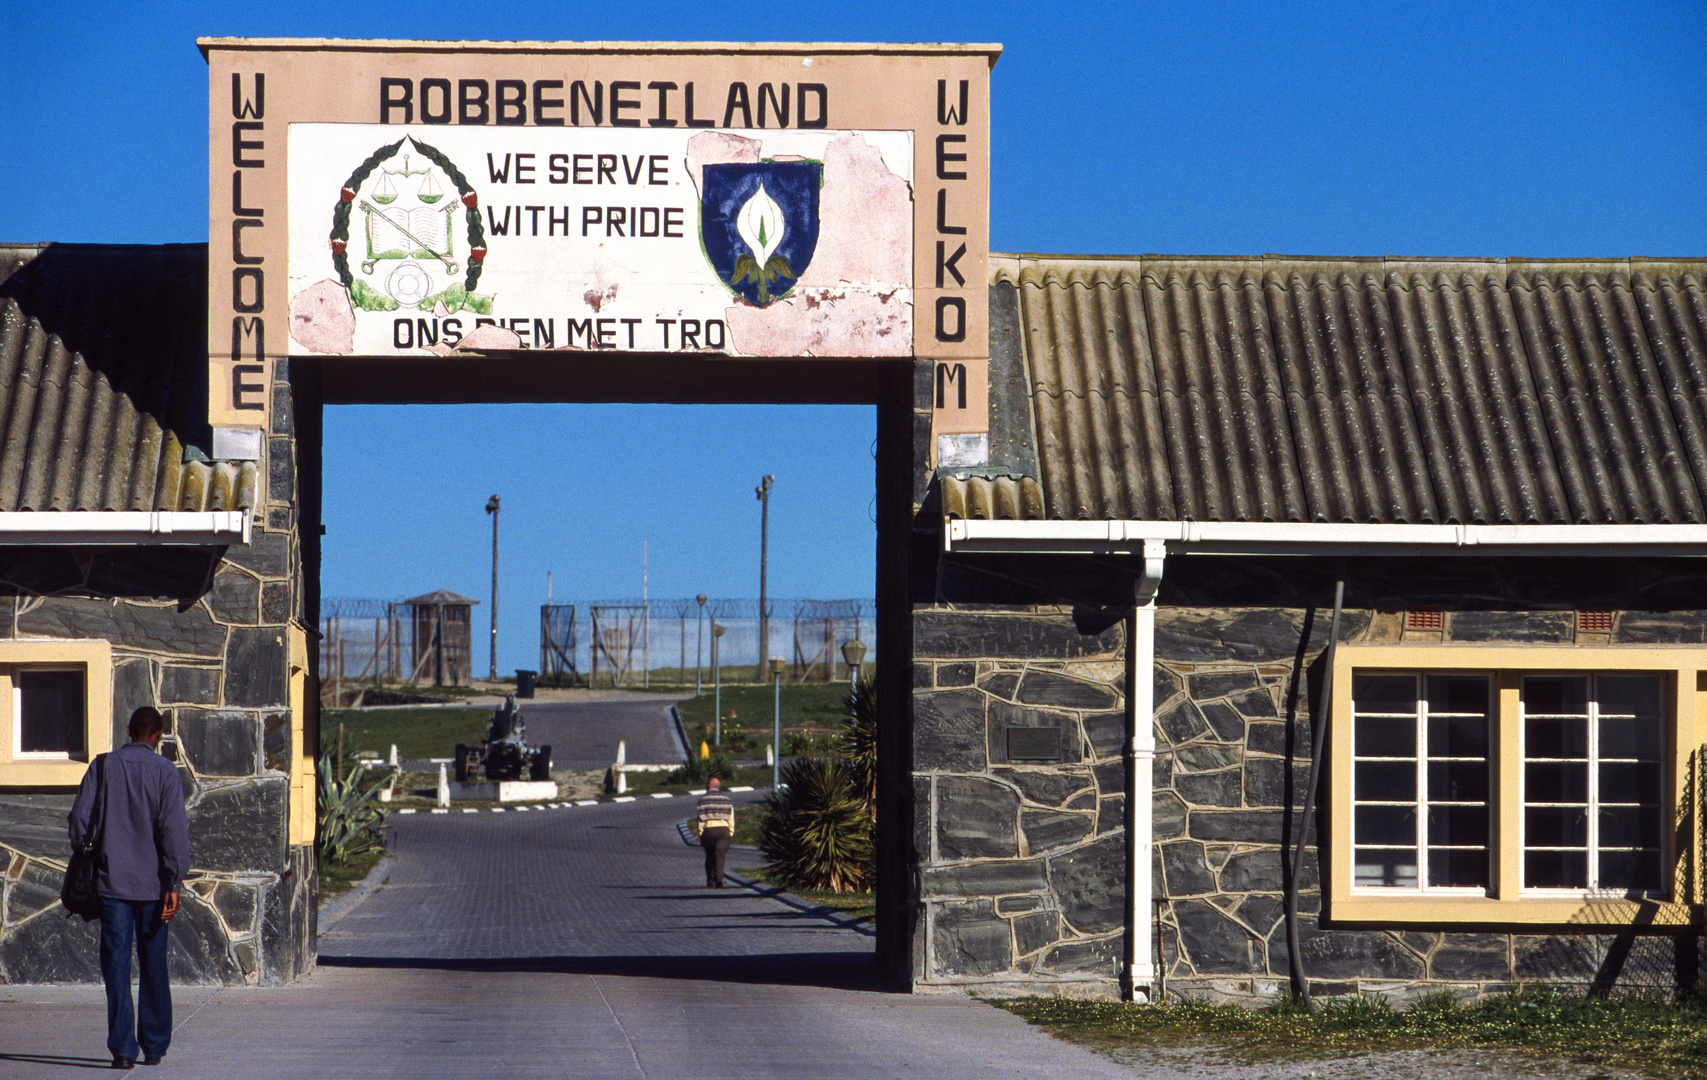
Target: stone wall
{"x":201,"y":634}
{"x":1022,"y":868}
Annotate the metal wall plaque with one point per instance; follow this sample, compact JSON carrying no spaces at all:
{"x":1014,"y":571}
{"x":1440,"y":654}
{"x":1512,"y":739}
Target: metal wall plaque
{"x":1034,"y":744}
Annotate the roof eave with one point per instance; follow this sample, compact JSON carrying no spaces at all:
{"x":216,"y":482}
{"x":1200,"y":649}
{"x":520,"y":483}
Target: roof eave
{"x":214,"y":528}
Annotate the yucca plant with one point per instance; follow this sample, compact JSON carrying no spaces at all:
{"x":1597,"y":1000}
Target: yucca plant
{"x":349,"y":824}
{"x":818,"y":834}
{"x":859,"y":742}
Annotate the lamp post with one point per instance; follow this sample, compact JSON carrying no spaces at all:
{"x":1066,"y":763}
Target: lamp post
{"x":776,"y":727}
{"x":854,"y":653}
{"x":492,"y":508}
{"x":717,"y":682}
{"x":763,"y":491}
{"x":698,"y":638}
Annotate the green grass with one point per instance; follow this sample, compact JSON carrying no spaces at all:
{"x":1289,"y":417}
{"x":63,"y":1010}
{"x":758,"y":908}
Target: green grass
{"x":647,"y":783}
{"x":816,"y":710}
{"x":1654,"y":1037}
{"x":418,"y":732}
{"x":336,"y":879}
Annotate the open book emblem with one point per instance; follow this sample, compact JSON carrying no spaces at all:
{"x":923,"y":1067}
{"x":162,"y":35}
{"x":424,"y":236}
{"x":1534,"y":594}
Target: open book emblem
{"x":414,"y":247}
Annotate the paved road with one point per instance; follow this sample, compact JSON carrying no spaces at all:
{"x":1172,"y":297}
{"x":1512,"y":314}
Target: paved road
{"x":583,"y":735}
{"x":556,"y":943}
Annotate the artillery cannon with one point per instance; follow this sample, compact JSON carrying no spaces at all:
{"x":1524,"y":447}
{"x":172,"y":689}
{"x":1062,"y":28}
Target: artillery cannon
{"x":505,"y":754}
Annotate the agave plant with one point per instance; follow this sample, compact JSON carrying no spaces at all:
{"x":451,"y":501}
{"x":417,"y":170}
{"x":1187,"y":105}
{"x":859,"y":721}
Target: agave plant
{"x":818,"y":834}
{"x":349,"y":824}
{"x":859,"y":742}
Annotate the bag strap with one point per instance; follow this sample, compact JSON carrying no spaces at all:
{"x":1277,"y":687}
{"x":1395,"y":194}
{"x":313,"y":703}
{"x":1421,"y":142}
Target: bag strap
{"x":98,"y":817}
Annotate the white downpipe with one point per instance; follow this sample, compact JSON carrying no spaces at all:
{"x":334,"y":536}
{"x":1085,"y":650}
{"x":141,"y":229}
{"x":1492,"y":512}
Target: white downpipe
{"x":1140,"y":756}
{"x":85,"y":527}
{"x":1285,"y":538}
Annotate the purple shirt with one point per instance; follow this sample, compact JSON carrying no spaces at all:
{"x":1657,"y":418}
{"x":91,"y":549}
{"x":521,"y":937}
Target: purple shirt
{"x":145,"y":846}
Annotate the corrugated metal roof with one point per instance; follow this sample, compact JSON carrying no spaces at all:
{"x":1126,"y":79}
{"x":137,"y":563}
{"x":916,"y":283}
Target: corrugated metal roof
{"x":1359,"y":390}
{"x":103,"y":381}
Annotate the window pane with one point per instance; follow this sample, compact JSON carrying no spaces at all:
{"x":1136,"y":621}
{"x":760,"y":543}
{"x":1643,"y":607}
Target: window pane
{"x":1555,"y":826}
{"x":1393,"y":867}
{"x":1555,"y":869}
{"x":1630,"y":737}
{"x":1555,"y":738}
{"x":1459,"y":825}
{"x":1385,"y":738}
{"x":51,"y":708}
{"x":1458,"y":867}
{"x":1384,"y":693}
{"x":1633,"y":870}
{"x":1630,"y":695}
{"x":1628,"y":782}
{"x":1458,"y":736}
{"x":1386,"y":825}
{"x":1458,"y":694}
{"x":1630,"y":826}
{"x":1458,"y":781}
{"x":1386,"y":781}
{"x":1555,"y":781}
{"x":1556,"y":695}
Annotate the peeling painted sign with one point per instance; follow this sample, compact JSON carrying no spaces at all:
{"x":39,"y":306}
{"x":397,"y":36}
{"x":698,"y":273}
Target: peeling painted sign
{"x":394,"y":199}
{"x":775,"y":243}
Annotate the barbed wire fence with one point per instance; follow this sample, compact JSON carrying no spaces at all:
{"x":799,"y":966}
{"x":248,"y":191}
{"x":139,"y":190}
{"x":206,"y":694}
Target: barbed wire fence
{"x":623,"y":641}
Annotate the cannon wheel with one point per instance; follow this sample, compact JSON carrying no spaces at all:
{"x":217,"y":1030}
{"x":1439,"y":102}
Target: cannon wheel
{"x":541,"y":769}
{"x":461,"y":765}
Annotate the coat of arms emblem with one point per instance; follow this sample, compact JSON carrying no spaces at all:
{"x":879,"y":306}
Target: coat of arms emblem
{"x":759,"y":225}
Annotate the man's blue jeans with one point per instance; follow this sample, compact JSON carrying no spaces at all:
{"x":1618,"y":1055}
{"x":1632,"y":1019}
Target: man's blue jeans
{"x":124,"y":922}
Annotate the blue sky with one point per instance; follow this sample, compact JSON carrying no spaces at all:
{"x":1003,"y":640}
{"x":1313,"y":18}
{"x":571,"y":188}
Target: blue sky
{"x":1567,"y":129}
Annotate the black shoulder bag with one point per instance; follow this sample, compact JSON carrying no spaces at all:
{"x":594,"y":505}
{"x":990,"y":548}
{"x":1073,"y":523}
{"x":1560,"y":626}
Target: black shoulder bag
{"x":78,"y":893}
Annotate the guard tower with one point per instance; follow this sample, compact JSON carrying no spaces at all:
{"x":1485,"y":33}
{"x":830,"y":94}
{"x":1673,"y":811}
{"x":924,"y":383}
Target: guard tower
{"x":441,"y":623}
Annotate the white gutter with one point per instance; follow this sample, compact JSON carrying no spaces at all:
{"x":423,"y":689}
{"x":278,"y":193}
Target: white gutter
{"x":1140,"y":759}
{"x":212,"y":528}
{"x":1267,"y":538}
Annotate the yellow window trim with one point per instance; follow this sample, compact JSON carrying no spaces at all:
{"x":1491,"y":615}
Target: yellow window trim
{"x":96,"y":660}
{"x":1508,"y":902}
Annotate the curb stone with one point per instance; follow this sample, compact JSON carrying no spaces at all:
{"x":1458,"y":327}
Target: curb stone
{"x":334,"y":913}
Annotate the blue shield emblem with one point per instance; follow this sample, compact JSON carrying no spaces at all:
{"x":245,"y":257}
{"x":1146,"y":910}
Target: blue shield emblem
{"x":759,"y":225}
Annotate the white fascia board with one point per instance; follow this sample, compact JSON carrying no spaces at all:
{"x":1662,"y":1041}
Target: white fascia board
{"x":214,"y":528}
{"x":1269,"y":538}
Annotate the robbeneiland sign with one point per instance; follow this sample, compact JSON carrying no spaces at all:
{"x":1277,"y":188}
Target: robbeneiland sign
{"x":395,"y":199}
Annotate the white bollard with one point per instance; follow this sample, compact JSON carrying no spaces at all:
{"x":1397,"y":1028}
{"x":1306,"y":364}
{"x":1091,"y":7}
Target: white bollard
{"x":622,"y":751}
{"x":444,"y":787}
{"x":621,"y":782}
{"x":770,"y":754}
{"x":394,"y":755}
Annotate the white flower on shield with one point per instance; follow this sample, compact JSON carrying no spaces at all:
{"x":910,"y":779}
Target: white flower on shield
{"x":760,"y":224}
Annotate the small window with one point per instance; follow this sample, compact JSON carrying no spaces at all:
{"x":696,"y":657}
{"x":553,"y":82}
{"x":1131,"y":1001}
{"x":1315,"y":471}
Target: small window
{"x":50,"y":712}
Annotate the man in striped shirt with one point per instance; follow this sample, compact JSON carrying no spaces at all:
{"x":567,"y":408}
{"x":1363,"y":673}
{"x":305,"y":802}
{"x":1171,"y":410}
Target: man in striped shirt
{"x":716,"y":824}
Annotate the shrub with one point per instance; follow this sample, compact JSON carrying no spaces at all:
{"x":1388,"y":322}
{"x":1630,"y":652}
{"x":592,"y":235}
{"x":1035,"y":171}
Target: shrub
{"x":818,"y":834}
{"x":859,"y":742}
{"x":698,"y":770}
{"x":349,"y":823}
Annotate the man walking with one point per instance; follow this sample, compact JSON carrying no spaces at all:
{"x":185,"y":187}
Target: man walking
{"x":716,"y":822}
{"x":142,"y":854}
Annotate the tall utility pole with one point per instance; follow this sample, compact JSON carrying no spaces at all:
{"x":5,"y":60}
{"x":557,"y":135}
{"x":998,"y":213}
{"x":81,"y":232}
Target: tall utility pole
{"x":764,"y":493}
{"x":492,"y":508}
{"x":698,"y":637}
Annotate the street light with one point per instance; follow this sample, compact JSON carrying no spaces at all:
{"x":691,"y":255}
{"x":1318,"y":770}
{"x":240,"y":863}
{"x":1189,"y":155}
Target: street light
{"x":854,"y":653}
{"x":763,"y":491}
{"x":717,"y":682}
{"x":492,"y":508}
{"x":776,"y":727}
{"x":698,"y":638}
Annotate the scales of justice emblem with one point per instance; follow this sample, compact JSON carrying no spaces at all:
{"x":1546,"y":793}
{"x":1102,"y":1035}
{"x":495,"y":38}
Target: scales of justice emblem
{"x":416,"y":247}
{"x":759,"y":225}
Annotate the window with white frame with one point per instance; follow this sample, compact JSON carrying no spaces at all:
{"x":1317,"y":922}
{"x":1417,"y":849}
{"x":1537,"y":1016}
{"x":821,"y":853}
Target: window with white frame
{"x":49,"y":713}
{"x":1420,"y":780}
{"x":1593,"y":782}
